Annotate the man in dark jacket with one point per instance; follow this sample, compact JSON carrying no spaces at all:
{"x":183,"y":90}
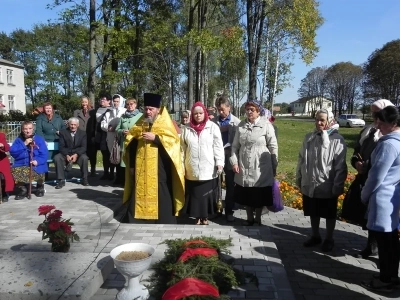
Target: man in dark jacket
{"x":72,"y":147}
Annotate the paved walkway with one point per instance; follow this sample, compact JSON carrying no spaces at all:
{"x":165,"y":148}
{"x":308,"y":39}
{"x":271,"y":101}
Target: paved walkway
{"x":311,"y":273}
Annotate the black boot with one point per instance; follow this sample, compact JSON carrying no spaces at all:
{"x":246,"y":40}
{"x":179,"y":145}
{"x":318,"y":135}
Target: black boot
{"x":370,"y":249}
{"x":21,"y":192}
{"x":39,"y":190}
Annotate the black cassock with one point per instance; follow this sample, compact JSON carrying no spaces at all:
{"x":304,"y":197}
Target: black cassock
{"x":165,"y":196}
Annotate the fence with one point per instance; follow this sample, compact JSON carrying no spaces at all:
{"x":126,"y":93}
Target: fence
{"x":11,"y":129}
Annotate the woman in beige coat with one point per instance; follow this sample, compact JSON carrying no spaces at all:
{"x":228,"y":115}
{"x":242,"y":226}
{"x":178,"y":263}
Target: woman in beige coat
{"x":254,"y":160}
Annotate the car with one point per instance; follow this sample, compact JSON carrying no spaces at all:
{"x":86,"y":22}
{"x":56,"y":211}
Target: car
{"x":350,"y":120}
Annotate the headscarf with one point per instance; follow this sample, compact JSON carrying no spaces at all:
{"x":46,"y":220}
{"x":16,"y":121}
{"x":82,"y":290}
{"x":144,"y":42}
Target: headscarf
{"x":257,"y":104}
{"x":330,"y":127}
{"x":381,"y":104}
{"x":198,"y":127}
{"x":121,"y":100}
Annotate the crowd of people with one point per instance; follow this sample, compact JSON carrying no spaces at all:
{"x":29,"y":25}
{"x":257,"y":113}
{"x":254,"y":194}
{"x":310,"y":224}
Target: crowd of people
{"x":169,"y":169}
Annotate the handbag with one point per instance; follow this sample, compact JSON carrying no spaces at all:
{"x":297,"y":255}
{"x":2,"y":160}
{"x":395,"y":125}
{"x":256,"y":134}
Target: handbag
{"x":277,"y":204}
{"x":115,"y":156}
{"x":353,"y":210}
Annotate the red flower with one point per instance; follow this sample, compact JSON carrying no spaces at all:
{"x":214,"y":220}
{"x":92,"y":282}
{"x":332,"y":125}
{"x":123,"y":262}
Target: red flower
{"x":55,"y":215}
{"x":65,"y":227}
{"x":45,"y":209}
{"x":53,"y":225}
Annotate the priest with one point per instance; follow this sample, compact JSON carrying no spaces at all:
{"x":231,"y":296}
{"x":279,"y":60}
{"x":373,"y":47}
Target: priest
{"x":155,"y":177}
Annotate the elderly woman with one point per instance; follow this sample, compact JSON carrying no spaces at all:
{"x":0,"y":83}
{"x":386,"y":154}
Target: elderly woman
{"x":254,"y":161}
{"x":29,"y":149}
{"x":6,"y":179}
{"x":48,"y":125}
{"x":353,"y":209}
{"x":185,"y":118}
{"x":382,"y":194}
{"x":321,"y":173}
{"x":86,"y":116}
{"x":203,"y":152}
{"x":127,"y":120}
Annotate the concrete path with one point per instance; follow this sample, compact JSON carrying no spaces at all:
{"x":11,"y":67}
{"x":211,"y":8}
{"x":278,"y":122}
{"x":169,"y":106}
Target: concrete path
{"x":307,"y":273}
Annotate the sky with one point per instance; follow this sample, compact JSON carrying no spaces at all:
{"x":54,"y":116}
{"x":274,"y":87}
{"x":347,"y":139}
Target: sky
{"x":352,"y":30}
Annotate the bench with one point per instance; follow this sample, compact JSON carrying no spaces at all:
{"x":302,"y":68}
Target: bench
{"x":51,"y":146}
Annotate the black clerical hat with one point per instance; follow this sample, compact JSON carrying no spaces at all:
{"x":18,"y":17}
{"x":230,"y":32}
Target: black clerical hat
{"x":152,"y":100}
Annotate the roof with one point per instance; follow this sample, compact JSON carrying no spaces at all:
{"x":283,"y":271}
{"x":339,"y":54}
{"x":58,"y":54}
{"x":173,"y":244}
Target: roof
{"x":10,"y":63}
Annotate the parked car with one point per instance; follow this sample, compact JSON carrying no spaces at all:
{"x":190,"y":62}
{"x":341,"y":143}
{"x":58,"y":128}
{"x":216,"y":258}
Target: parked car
{"x":350,"y":120}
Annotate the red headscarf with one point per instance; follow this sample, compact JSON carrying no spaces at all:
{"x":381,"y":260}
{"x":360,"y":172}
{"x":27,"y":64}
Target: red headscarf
{"x":198,"y":127}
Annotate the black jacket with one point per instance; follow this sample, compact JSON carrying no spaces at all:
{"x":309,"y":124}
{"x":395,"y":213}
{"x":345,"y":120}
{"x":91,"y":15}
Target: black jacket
{"x":67,"y":146}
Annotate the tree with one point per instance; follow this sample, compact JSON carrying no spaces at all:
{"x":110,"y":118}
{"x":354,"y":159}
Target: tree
{"x":382,"y":73}
{"x":314,"y":86}
{"x":343,"y":84}
{"x":286,"y":23}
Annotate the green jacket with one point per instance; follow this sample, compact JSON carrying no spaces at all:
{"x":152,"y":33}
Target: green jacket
{"x":125,"y":123}
{"x":47,"y":129}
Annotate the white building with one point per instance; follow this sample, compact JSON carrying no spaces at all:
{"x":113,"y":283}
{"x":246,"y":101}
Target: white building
{"x":12,"y":87}
{"x":308,"y":105}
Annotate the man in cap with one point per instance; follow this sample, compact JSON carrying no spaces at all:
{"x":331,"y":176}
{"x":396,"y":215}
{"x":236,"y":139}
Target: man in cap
{"x":155,"y":177}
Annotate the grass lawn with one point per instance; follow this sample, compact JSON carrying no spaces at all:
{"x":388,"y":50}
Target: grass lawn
{"x":290,"y":138}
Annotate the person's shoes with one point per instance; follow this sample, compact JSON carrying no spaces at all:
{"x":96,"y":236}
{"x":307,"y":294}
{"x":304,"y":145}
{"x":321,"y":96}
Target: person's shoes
{"x":39,"y":190}
{"x":394,"y":280}
{"x":21,"y":193}
{"x":327,"y":245}
{"x":110,"y":176}
{"x":92,"y":172}
{"x":4,"y":197}
{"x":104,"y":177}
{"x":85,"y":182}
{"x":230,"y":218}
{"x":367,"y":252}
{"x":313,"y":241}
{"x":60,"y":184}
{"x":377,"y":285}
{"x":68,"y":167}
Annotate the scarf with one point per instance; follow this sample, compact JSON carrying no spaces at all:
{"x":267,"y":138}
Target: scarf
{"x":200,"y":126}
{"x":256,"y":103}
{"x":370,"y":130}
{"x":130,"y":114}
{"x":330,"y":127}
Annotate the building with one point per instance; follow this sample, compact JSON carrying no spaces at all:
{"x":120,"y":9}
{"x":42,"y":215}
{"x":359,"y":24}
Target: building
{"x":12,"y":87}
{"x":309,"y":105}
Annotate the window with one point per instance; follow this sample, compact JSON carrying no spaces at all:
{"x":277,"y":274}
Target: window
{"x":11,"y":102}
{"x":1,"y":98}
{"x":9,"y":76}
{"x":1,"y":75}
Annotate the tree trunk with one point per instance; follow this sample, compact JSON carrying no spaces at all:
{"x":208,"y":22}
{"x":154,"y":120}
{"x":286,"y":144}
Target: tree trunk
{"x":205,"y":79}
{"x":190,"y":57}
{"x":264,"y":83}
{"x":116,"y":4}
{"x":276,"y":78}
{"x":255,"y":21}
{"x":91,"y":86}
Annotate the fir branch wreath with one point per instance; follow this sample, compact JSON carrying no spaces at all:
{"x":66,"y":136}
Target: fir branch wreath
{"x":201,"y":261}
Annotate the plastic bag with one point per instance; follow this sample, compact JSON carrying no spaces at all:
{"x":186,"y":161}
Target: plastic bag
{"x":277,"y":204}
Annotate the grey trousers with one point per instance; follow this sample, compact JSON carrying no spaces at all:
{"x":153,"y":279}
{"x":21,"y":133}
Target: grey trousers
{"x":60,"y":162}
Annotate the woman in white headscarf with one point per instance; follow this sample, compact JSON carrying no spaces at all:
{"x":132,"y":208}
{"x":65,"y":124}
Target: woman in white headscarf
{"x":321,"y":173}
{"x":353,"y":210}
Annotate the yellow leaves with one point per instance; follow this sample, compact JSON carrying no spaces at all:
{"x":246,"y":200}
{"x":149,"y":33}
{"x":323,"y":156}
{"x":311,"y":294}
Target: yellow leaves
{"x":29,"y":283}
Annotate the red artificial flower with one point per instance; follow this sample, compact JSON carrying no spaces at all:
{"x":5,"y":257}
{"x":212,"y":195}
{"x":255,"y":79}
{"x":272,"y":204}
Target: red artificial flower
{"x":65,"y":227}
{"x":53,"y":225}
{"x":45,"y":209}
{"x":55,"y":215}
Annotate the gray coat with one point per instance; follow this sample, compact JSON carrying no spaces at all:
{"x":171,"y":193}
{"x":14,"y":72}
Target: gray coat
{"x":321,"y":172}
{"x":255,"y":151}
{"x":234,"y":122}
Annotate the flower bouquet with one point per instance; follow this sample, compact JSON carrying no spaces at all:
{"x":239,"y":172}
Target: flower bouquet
{"x":56,"y":229}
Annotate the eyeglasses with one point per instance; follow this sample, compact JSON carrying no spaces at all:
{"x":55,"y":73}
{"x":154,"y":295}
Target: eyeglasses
{"x":250,"y":109}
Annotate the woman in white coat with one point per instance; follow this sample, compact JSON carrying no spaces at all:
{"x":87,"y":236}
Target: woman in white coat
{"x":254,"y":160}
{"x":203,"y":156}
